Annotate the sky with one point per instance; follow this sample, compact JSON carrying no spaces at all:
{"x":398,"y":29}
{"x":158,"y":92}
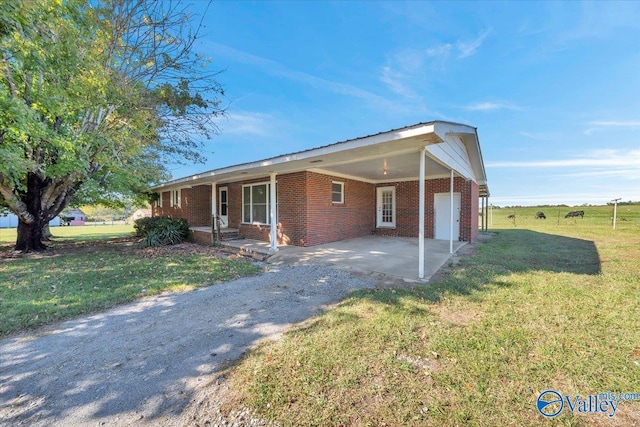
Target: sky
{"x":553,"y":88}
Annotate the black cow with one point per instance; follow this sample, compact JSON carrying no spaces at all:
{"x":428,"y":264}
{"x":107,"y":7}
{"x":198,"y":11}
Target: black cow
{"x":512,"y":216}
{"x":574,"y":214}
{"x":540,"y":215}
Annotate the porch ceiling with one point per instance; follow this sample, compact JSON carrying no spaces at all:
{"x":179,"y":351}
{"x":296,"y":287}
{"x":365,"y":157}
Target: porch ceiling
{"x":395,"y":152}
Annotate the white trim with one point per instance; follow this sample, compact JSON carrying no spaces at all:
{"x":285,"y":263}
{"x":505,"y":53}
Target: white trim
{"x":273,"y":214}
{"x":380,"y":223}
{"x":224,"y":219}
{"x":339,"y":175}
{"x":451,"y":212}
{"x":175,"y":194}
{"x":421,"y":211}
{"x":159,"y":201}
{"x":372,"y":181}
{"x":341,"y":184}
{"x":214,"y":204}
{"x":255,"y":184}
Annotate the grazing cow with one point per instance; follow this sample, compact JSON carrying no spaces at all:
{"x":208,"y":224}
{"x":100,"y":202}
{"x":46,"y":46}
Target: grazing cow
{"x":574,"y":214}
{"x":540,"y":215}
{"x":512,"y":216}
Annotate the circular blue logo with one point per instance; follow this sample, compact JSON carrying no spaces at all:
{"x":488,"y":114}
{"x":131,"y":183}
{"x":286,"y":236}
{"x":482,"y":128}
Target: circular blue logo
{"x":550,"y":403}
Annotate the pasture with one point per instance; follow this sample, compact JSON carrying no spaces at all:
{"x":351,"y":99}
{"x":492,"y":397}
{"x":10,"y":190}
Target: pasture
{"x":542,"y":304}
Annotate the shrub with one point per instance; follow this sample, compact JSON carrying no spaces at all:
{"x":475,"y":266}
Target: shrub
{"x":159,"y":230}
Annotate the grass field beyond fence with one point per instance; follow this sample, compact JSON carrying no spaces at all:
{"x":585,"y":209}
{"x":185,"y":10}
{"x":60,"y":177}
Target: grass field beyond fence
{"x":542,"y":305}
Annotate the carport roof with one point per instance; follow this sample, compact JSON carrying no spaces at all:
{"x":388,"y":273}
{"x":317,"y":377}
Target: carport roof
{"x":383,"y":157}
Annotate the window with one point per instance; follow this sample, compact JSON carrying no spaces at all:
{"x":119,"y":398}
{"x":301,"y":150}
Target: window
{"x":337,"y":192}
{"x":255,"y":203}
{"x":159,"y":201}
{"x":175,"y":197}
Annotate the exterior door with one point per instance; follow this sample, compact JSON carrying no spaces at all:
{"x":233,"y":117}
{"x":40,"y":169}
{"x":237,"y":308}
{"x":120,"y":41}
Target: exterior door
{"x":386,"y":207}
{"x":223,"y":208}
{"x":442,"y":206}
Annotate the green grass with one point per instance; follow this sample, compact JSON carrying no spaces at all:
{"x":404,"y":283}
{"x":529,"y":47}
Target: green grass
{"x":81,"y":233}
{"x":544,"y":305}
{"x":83,"y":275}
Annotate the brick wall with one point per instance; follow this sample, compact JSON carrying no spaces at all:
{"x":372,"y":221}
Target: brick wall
{"x":292,"y":209}
{"x":195,"y":205}
{"x":407,"y":197}
{"x":307,"y":216}
{"x":329,"y":222}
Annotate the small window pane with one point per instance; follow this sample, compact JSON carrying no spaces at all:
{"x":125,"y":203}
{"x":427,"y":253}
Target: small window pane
{"x":260,"y":213}
{"x":246,"y":204}
{"x":259,"y":194}
{"x":337,"y":193}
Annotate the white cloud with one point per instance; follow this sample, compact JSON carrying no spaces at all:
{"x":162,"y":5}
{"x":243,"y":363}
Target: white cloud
{"x":604,"y":124}
{"x":280,"y":70}
{"x":538,"y":136}
{"x":490,"y":106}
{"x":247,"y":123}
{"x":594,"y":158}
{"x":441,"y":50}
{"x":463,"y":49}
{"x":629,"y":124}
{"x":395,"y":81}
{"x":468,"y":48}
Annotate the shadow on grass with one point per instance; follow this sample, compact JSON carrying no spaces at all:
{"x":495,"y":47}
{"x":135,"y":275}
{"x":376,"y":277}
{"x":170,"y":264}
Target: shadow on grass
{"x":507,"y":252}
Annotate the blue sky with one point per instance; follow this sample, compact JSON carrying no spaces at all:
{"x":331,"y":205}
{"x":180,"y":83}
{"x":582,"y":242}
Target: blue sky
{"x":553,"y":88}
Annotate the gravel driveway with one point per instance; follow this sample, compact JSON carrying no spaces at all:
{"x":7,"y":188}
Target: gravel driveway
{"x":144,"y":363}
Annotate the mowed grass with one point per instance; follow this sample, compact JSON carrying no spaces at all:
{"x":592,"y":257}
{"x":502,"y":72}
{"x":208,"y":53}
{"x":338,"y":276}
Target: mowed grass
{"x":544,"y":305}
{"x":74,"y":234}
{"x":98,"y":274}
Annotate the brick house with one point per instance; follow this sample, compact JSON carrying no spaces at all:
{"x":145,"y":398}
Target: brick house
{"x":362,"y":186}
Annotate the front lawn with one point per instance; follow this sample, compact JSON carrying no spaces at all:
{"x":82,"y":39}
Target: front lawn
{"x":82,"y":277}
{"x":554,"y":306}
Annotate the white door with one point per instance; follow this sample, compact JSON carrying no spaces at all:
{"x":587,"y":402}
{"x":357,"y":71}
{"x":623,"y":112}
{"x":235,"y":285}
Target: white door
{"x":386,"y":207}
{"x":223,"y":208}
{"x":442,"y":206}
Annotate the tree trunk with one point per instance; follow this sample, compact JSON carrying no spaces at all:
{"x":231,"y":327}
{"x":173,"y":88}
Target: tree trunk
{"x":46,"y":233}
{"x":29,"y":237}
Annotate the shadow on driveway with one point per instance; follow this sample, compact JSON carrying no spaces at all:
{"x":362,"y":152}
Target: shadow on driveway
{"x":142,"y":362}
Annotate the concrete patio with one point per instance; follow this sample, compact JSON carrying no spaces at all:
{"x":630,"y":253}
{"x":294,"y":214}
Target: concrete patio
{"x":392,"y":256}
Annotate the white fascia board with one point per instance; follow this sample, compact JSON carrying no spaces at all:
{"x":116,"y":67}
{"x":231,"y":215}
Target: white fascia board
{"x":394,"y":135}
{"x":469,"y":136}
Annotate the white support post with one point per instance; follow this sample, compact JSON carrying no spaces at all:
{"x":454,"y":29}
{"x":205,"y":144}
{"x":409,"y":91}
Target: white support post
{"x":272,"y":214}
{"x":421,"y":201}
{"x":451,"y":209}
{"x":214,"y":205}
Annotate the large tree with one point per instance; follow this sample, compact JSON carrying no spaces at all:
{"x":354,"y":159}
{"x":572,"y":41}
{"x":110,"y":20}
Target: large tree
{"x":96,"y":97}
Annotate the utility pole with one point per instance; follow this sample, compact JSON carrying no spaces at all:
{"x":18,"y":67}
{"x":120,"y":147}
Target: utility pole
{"x":615,"y":211}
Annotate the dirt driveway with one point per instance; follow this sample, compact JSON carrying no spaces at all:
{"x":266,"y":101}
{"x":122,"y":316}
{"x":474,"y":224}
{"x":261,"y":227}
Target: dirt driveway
{"x":144,"y":363}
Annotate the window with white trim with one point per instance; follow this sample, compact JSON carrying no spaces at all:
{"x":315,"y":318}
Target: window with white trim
{"x":256,"y":203}
{"x":337,"y":192}
{"x":159,"y":200}
{"x":175,"y":197}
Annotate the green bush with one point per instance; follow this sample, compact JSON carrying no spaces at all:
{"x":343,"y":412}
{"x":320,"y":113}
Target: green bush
{"x":159,"y":230}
